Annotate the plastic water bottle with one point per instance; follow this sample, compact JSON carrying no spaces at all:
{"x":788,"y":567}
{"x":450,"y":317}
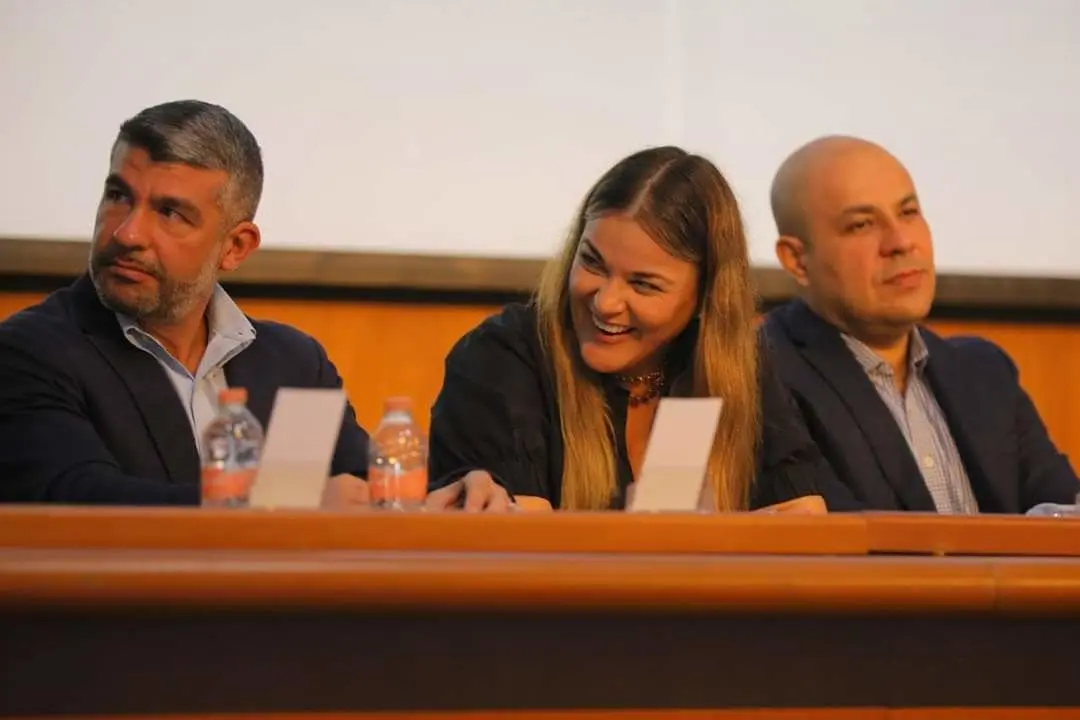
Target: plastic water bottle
{"x":397,"y":463}
{"x":231,"y":449}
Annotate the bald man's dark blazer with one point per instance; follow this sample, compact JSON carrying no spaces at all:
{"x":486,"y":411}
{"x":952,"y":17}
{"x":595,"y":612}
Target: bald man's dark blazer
{"x":86,"y":417}
{"x":1006,"y":451}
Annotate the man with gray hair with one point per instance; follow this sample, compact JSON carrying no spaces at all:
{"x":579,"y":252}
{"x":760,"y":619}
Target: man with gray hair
{"x":106,"y":386}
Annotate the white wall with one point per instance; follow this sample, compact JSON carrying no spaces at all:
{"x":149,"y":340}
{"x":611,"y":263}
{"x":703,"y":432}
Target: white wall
{"x":981,"y":101}
{"x":475,"y":126}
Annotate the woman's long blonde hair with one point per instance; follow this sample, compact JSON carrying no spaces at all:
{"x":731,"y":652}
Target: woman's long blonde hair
{"x":685,"y":204}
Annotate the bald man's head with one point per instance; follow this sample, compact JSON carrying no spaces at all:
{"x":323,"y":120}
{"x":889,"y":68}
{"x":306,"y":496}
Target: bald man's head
{"x":797,"y":174}
{"x":853,"y":235}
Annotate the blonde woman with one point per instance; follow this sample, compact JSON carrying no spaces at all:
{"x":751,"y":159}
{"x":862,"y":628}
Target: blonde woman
{"x":549,"y":404}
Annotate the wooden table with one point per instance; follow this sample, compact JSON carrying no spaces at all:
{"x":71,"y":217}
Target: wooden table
{"x":611,"y":615}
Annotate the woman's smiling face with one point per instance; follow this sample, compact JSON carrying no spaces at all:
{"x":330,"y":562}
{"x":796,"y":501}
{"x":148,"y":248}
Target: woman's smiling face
{"x":629,"y":297}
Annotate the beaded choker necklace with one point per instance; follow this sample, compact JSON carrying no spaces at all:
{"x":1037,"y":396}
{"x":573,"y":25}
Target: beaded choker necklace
{"x":650,"y":383}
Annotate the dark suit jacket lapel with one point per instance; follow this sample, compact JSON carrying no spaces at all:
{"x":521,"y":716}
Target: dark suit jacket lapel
{"x":244,"y":371}
{"x":146,"y":381}
{"x":966,"y":414}
{"x":822,"y":346}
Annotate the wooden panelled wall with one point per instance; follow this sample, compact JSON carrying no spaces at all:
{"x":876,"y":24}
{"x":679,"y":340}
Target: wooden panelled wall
{"x":384,"y":349}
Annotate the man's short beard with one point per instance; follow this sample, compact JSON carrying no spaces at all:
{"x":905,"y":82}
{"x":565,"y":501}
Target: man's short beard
{"x":172,"y":302}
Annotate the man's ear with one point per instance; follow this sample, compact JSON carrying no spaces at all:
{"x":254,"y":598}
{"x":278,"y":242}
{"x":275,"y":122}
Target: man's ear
{"x":791,"y":252}
{"x":241,"y":241}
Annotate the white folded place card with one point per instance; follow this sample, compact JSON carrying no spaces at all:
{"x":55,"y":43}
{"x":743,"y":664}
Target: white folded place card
{"x":299,"y":448}
{"x":672,"y":475}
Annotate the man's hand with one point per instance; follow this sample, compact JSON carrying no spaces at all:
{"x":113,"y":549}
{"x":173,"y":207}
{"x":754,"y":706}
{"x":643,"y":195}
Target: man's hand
{"x":345,"y":492}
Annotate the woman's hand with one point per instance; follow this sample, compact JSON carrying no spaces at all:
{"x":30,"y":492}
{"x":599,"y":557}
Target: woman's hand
{"x":480,"y":493}
{"x":806,"y":505}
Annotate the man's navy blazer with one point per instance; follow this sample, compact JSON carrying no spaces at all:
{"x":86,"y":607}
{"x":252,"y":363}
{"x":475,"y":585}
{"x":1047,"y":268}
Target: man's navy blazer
{"x":86,"y":417}
{"x":1008,"y":455}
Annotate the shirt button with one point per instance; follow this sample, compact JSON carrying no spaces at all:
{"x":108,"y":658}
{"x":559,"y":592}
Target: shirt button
{"x":928,"y":462}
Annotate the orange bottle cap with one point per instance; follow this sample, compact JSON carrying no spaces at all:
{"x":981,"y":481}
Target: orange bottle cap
{"x":398,"y":403}
{"x":233,"y":396}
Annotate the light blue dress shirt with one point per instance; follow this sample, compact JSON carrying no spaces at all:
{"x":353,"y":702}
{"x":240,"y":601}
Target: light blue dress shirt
{"x":229,"y":333}
{"x":923,"y":424}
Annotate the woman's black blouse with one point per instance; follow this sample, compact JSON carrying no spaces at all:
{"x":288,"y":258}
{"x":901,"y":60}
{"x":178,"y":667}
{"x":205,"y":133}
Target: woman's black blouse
{"x":497,"y":411}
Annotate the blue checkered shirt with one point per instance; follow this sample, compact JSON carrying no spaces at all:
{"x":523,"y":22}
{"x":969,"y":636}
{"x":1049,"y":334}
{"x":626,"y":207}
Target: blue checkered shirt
{"x":920,"y":418}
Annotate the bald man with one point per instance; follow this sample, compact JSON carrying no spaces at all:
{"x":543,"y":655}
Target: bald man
{"x":908,"y":420}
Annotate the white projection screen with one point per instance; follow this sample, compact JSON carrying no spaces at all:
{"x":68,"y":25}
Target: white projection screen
{"x":473,"y":127}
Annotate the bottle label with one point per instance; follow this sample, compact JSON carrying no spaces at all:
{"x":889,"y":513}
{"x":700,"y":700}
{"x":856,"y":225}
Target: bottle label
{"x":388,"y":485}
{"x":219,"y":486}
